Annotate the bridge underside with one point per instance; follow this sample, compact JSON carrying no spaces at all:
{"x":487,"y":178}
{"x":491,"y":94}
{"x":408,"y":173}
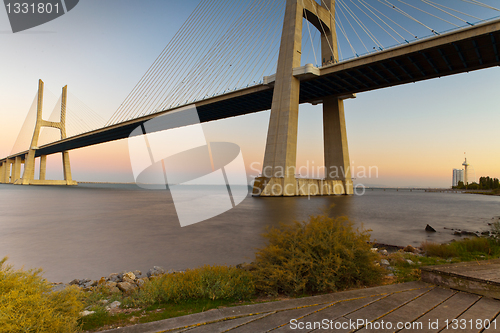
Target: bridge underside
{"x":461,"y":51}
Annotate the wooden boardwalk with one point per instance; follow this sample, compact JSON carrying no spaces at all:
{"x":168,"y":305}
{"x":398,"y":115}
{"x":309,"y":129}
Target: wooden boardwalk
{"x":408,"y":307}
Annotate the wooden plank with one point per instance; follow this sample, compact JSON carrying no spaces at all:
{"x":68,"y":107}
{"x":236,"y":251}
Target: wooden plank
{"x":224,"y":325}
{"x":332,"y":312}
{"x":275,"y":320}
{"x":409,"y":312}
{"x":373,"y":311}
{"x":473,"y":320}
{"x":385,"y":305}
{"x":434,"y":320}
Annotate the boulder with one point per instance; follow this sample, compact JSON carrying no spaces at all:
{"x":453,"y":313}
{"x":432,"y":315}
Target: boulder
{"x":409,"y":248}
{"x":111,"y":284}
{"x":155,"y":271}
{"x":75,"y":281}
{"x":114,"y":290}
{"x":410,"y":262}
{"x":137,"y":273}
{"x":128,"y":277}
{"x":86,"y":313}
{"x":128,"y":280}
{"x":126,"y":287}
{"x":140,"y":282}
{"x":114,"y":277}
{"x":86,"y":283}
{"x":114,"y":305}
{"x":384,"y":262}
{"x":429,"y":228}
{"x":384,"y":252}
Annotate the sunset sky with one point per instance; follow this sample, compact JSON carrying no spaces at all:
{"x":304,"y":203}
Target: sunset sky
{"x":413,"y":135}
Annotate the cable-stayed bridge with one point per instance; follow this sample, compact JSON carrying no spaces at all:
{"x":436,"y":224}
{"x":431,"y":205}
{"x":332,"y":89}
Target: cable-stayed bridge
{"x":347,"y":55}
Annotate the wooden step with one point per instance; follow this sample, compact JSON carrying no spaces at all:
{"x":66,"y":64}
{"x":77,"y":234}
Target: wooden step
{"x":478,"y":277}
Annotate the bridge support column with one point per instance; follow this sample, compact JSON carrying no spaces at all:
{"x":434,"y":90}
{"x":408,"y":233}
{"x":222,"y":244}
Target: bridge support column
{"x":337,"y":162}
{"x":16,"y":170}
{"x":43,"y":167}
{"x":67,"y":168}
{"x":2,"y":172}
{"x":281,"y":146}
{"x":6,"y":176}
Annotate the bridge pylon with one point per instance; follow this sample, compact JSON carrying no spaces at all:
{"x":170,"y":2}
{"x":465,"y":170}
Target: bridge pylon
{"x":28,"y":177}
{"x":279,"y":168}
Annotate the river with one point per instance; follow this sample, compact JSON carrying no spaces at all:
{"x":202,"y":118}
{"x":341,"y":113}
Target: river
{"x":93,"y":230}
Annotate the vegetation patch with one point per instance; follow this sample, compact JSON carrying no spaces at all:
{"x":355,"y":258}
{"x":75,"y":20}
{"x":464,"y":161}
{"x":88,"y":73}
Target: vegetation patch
{"x":207,"y":282}
{"x":28,"y":305}
{"x":465,"y":249}
{"x":405,"y":266}
{"x":322,"y":255}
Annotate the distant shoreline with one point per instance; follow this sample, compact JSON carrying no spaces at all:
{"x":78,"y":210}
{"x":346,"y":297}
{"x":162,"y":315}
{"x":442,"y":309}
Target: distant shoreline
{"x":426,"y":189}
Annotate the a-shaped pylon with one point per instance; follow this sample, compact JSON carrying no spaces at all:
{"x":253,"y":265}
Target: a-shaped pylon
{"x":29,"y":166}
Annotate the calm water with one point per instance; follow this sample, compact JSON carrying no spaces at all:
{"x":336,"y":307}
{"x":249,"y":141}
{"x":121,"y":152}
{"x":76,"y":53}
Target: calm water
{"x":91,"y":231}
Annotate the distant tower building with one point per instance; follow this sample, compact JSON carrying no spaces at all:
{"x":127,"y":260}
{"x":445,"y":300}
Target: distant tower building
{"x":458,"y":176}
{"x":465,"y":164}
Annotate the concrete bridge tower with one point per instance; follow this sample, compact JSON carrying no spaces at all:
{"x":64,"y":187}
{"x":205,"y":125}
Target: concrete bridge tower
{"x":28,"y":177}
{"x":278,"y":173}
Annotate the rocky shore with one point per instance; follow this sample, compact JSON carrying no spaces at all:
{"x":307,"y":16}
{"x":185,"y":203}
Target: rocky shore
{"x":128,"y":281}
{"x":487,"y":233}
{"x":124,"y":282}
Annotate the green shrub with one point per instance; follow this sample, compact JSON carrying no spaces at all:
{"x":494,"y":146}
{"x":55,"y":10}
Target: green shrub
{"x":28,"y":305}
{"x":207,"y":282}
{"x":323,"y":255}
{"x":464,"y":249}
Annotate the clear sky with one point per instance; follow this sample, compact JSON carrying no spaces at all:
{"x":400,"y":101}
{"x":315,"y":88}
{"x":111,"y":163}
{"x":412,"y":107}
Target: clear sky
{"x":413,"y":134}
